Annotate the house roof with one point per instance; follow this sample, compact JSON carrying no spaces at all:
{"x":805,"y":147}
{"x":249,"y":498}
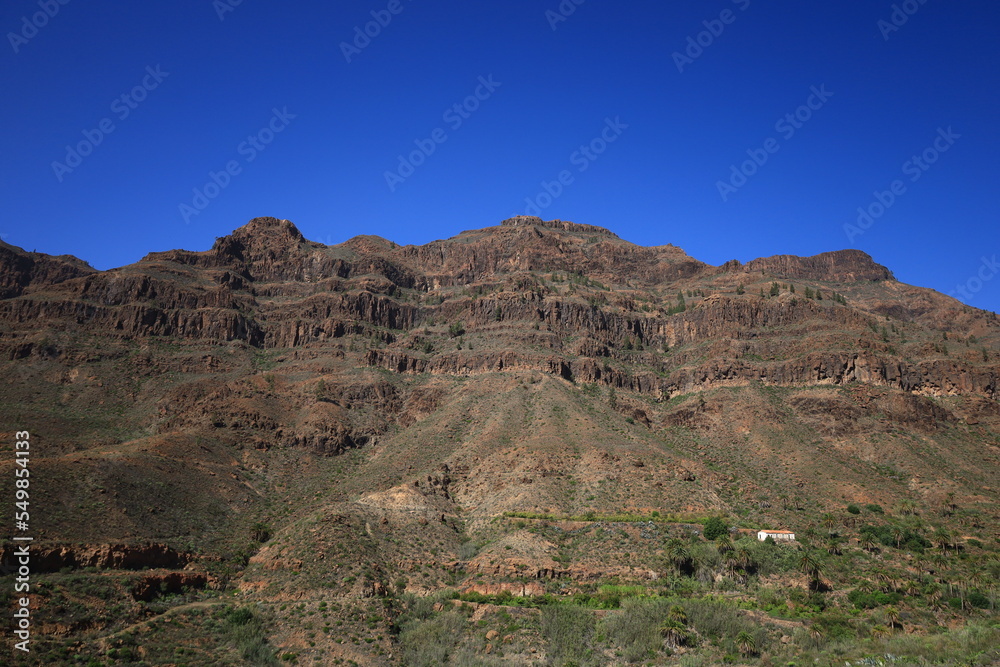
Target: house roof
{"x":778,"y":532}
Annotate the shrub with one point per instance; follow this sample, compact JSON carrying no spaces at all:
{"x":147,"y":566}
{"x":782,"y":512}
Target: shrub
{"x":874,"y":509}
{"x":978,"y":600}
{"x":568,"y":630}
{"x":246,"y":630}
{"x":853,"y":509}
{"x":428,"y":643}
{"x":636,"y":629}
{"x":863,"y":600}
{"x":715,"y":528}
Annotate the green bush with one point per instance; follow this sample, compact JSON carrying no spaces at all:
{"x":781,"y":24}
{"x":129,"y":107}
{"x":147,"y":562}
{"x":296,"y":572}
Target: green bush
{"x":635,"y":630}
{"x":874,"y":509}
{"x":245,"y":629}
{"x":428,"y":643}
{"x":978,"y":600}
{"x":863,"y":600}
{"x":907,"y":539}
{"x":715,"y":528}
{"x":853,"y":509}
{"x":568,"y":630}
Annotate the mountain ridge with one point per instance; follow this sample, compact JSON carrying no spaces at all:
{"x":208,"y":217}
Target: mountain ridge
{"x":536,"y":409}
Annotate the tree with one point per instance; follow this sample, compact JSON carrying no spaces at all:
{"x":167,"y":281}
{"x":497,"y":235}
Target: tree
{"x":681,"y":304}
{"x":897,"y":534}
{"x":809,"y":292}
{"x":833,"y":546}
{"x":715,"y":527}
{"x":746,"y":644}
{"x":943,"y":538}
{"x":892,"y":616}
{"x":456,"y":329}
{"x":677,"y":556}
{"x":678,"y":614}
{"x":775,"y":289}
{"x":810,"y":565}
{"x":674,"y":633}
{"x":260,"y":532}
{"x":740,"y":289}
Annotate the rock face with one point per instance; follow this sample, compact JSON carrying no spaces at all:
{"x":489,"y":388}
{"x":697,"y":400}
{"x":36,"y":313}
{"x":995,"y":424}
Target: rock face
{"x":839,"y":266}
{"x":571,"y":300}
{"x":106,"y":557}
{"x":20,"y":269}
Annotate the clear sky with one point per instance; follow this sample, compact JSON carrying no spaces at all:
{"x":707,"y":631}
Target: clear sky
{"x":635,"y":115}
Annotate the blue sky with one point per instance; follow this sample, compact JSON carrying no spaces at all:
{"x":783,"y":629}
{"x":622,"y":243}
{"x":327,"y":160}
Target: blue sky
{"x":590,"y":99}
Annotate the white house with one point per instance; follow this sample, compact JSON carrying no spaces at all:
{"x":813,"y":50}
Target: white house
{"x":777,"y":535}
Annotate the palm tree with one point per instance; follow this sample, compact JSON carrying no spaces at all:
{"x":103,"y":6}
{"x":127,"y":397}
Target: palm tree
{"x":868,"y":543}
{"x":943,"y":538}
{"x":866,"y":586}
{"x":897,"y":534}
{"x":833,"y":546}
{"x":746,"y":644}
{"x":949,"y":499}
{"x":743,"y":557}
{"x":674,"y":633}
{"x":811,"y":566}
{"x":678,"y":614}
{"x":724,"y":544}
{"x":892,"y":616}
{"x":829,"y":521}
{"x":677,"y":556}
{"x":886,"y":580}
{"x":817,"y":633}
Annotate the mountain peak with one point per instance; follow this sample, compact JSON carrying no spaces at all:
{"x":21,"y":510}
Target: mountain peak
{"x":563,"y":225}
{"x":269,"y":229}
{"x":264,"y":237}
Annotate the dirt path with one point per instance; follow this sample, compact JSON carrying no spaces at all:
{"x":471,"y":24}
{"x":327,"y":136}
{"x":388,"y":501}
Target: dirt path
{"x":203,"y":604}
{"x":764,"y":618}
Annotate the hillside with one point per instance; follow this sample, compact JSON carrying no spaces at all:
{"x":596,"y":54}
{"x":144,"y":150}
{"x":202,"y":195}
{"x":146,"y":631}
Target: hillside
{"x":499,"y":448}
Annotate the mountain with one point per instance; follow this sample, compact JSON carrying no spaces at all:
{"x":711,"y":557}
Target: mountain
{"x":281,"y":447}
